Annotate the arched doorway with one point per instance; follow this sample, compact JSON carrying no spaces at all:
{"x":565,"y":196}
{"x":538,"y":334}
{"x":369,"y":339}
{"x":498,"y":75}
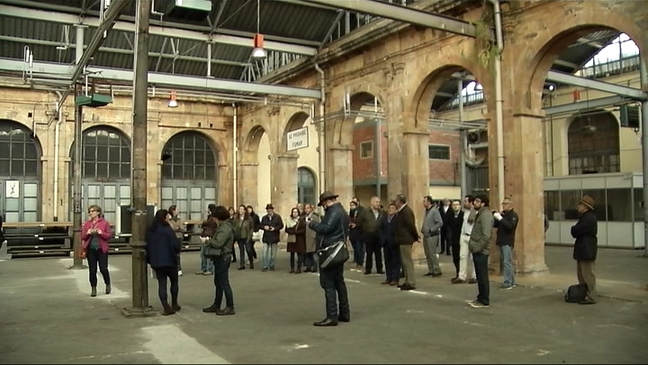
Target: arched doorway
{"x":19,"y":173}
{"x":189,"y":174}
{"x":593,"y":143}
{"x":105,"y":170}
{"x":306,"y":186}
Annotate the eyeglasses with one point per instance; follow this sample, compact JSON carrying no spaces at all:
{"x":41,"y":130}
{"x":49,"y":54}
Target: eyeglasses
{"x":92,"y":211}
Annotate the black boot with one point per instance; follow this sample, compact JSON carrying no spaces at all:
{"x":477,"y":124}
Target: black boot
{"x":326,"y":322}
{"x":93,"y":293}
{"x":227,"y":311}
{"x":167,"y":310}
{"x":211,"y":309}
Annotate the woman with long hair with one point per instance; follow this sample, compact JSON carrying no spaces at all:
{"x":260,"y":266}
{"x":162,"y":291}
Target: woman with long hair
{"x":162,"y":249}
{"x":178,"y":227}
{"x":243,"y":228}
{"x":255,"y":227}
{"x":219,"y":249}
{"x":95,"y":234}
{"x":232,"y":216}
{"x":296,"y":230}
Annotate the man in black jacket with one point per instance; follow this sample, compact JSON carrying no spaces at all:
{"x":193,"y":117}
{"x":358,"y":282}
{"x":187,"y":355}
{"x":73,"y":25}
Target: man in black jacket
{"x":334,"y":227}
{"x":586,"y":246}
{"x":506,"y":223}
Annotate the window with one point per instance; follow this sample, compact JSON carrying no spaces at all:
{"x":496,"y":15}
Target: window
{"x":366,"y":149}
{"x":306,"y":186}
{"x":439,"y":152}
{"x":593,"y":142}
{"x":105,"y":156}
{"x":18,"y":156}
{"x":192,"y":158}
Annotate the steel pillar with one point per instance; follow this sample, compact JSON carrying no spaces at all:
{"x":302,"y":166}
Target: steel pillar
{"x":139,"y":189}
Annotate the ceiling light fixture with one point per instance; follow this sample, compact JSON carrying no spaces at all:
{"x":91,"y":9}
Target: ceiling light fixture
{"x":259,"y":52}
{"x":173,"y":103}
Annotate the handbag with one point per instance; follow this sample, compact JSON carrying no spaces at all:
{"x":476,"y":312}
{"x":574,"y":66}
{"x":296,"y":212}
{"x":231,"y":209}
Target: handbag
{"x":333,"y":255}
{"x":83,"y":253}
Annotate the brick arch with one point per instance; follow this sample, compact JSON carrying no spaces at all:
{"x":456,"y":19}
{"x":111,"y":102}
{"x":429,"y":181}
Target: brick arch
{"x":296,"y":121}
{"x":433,"y":80}
{"x":252,"y":138}
{"x":344,"y":126}
{"x":562,"y":30}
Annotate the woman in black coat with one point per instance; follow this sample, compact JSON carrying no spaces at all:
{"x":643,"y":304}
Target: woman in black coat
{"x":162,"y":249}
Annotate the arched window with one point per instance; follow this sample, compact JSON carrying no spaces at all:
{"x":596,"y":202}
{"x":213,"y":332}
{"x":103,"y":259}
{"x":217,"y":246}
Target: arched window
{"x":593,"y":141}
{"x":192,"y":158}
{"x":19,"y":167}
{"x":189,"y":177}
{"x":105,"y":170}
{"x":106,"y":154}
{"x":306,"y":189}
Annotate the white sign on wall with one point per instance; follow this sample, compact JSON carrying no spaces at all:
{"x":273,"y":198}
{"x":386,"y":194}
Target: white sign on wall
{"x":13,"y":189}
{"x":297,"y":139}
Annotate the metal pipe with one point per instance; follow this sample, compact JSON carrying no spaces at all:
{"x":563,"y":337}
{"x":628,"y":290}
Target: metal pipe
{"x":644,"y":152}
{"x":378,"y":159}
{"x":57,"y":137}
{"x":322,"y":132}
{"x":499,"y":117}
{"x":235,"y":154}
{"x":462,"y":142}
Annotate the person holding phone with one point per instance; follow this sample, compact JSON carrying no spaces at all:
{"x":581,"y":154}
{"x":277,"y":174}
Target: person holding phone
{"x":95,"y":234}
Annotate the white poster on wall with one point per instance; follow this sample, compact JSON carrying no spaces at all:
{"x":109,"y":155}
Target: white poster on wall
{"x":13,"y":189}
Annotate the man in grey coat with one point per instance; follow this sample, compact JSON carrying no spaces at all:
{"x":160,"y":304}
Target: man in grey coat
{"x":431,"y":230}
{"x":479,"y":246}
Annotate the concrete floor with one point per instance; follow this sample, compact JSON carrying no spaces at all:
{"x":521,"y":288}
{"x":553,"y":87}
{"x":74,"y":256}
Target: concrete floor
{"x":47,"y":316}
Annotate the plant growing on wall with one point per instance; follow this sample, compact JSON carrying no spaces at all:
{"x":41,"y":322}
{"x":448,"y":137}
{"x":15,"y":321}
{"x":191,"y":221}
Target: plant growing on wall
{"x":485,"y":46}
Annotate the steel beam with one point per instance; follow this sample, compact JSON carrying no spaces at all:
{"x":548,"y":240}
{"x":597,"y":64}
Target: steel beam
{"x":607,"y":87}
{"x":177,"y":81}
{"x":62,"y":18}
{"x":121,"y":51}
{"x":403,"y":14}
{"x":585,"y":105}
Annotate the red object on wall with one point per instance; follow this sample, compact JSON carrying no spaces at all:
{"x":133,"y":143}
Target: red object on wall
{"x":576,"y":94}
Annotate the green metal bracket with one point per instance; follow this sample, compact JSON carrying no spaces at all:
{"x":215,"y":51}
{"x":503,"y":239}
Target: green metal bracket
{"x":93,"y":101}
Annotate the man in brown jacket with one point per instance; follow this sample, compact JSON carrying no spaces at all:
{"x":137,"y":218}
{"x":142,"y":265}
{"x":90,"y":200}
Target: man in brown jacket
{"x":406,"y":234}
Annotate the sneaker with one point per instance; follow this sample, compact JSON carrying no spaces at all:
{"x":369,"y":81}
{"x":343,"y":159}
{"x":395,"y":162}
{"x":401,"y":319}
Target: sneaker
{"x":507,"y":287}
{"x":179,"y":272}
{"x":477,"y":304}
{"x":207,"y":273}
{"x":200,"y":273}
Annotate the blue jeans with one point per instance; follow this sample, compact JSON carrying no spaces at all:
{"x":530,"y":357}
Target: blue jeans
{"x":269,"y":255}
{"x":205,"y":263}
{"x":506,"y":259}
{"x":221,"y":281}
{"x":358,"y":252}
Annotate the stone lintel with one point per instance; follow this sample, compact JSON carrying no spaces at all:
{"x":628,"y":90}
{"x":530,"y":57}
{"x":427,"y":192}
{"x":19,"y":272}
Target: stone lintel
{"x":413,"y":132}
{"x":341,"y":148}
{"x":287,"y":156}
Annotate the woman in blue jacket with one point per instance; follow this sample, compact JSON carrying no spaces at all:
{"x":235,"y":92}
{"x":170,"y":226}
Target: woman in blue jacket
{"x":162,"y":249}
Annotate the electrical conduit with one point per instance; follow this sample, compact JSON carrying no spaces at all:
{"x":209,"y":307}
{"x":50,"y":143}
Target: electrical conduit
{"x":322,"y":131}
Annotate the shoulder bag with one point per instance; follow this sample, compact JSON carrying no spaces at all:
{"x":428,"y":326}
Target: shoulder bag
{"x":335,"y":254}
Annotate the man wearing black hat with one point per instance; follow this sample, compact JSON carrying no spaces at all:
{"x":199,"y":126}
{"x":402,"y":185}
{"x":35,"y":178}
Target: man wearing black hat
{"x":334,"y":227}
{"x":271,"y":224}
{"x":586,"y":247}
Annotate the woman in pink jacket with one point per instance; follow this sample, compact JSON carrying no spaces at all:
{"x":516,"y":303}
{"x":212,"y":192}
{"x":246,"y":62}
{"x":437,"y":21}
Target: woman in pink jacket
{"x":95,"y":234}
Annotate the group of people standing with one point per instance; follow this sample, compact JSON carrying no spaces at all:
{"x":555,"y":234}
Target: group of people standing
{"x":371,"y":231}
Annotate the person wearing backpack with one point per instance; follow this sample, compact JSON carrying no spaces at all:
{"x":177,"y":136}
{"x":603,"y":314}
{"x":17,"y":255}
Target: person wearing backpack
{"x":219,"y":249}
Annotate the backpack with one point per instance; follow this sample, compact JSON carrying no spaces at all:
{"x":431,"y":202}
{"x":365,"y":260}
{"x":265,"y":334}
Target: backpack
{"x":576,"y":293}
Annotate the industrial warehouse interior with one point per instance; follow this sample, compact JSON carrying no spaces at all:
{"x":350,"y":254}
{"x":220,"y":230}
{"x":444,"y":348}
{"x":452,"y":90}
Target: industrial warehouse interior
{"x":112,"y":111}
